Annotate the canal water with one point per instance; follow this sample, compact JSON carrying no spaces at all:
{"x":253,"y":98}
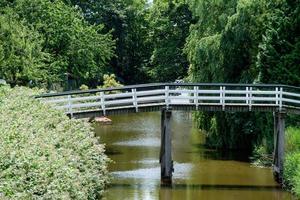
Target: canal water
{"x":133,"y":143}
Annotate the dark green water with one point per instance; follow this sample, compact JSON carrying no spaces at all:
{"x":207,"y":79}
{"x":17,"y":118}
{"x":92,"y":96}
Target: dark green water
{"x":133,"y":143}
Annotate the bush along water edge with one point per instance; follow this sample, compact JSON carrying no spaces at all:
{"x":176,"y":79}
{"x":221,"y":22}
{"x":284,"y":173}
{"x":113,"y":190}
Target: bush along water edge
{"x":46,"y":155}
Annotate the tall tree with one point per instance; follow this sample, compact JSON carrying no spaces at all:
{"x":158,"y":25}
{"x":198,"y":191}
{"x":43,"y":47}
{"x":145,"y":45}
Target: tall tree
{"x":278,"y":57}
{"x":126,"y":20}
{"x":203,"y":45}
{"x":223,"y":46}
{"x":133,"y":45}
{"x":169,"y":27}
{"x":21,"y":56}
{"x":76,"y":47}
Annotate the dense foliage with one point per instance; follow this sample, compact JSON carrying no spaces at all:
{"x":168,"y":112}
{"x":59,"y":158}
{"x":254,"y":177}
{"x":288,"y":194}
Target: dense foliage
{"x":79,"y":41}
{"x":139,"y":41}
{"x":243,"y":41}
{"x":169,"y":27}
{"x":126,"y":20}
{"x":21,"y":55}
{"x":73,"y":47}
{"x":278,"y":59}
{"x":292,"y":161}
{"x":45,"y":155}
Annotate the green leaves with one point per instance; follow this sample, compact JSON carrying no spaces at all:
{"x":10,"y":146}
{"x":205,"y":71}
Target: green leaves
{"x":242,"y":41}
{"x":70,"y":44}
{"x":21,"y":55}
{"x":110,"y":81}
{"x":292,"y":160}
{"x":45,"y":155}
{"x":169,"y":27}
{"x":278,"y":59}
{"x":203,"y":46}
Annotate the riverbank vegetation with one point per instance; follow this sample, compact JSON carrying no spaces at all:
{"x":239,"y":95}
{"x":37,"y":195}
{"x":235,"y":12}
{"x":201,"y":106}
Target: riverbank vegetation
{"x":44,"y":154}
{"x":292,"y":161}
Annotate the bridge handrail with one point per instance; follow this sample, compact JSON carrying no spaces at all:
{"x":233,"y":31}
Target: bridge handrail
{"x":140,"y":86}
{"x":179,"y":95}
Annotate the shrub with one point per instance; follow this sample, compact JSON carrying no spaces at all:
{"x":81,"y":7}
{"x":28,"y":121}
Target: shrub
{"x":292,"y":139}
{"x":110,"y":81}
{"x":292,"y":160}
{"x":291,"y":164}
{"x":84,"y":87}
{"x":45,"y":155}
{"x":261,"y":157}
{"x":296,"y":179}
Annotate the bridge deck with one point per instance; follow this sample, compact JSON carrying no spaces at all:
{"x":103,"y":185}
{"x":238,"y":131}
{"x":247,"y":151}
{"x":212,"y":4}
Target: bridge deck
{"x":154,"y":97}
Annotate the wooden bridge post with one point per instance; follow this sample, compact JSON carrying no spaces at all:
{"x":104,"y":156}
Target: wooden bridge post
{"x":102,"y":103}
{"x":165,"y":159}
{"x":279,"y":131}
{"x":70,"y":106}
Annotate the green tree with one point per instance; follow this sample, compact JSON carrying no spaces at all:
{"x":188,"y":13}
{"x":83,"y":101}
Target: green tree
{"x":169,"y":27}
{"x":76,"y":47}
{"x":21,"y":56}
{"x":203,"y":46}
{"x":135,"y":46}
{"x":126,"y":20}
{"x":278,"y":57}
{"x":223,"y":46}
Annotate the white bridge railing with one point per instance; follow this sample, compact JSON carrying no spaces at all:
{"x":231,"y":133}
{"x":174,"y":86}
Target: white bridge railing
{"x":168,"y":95}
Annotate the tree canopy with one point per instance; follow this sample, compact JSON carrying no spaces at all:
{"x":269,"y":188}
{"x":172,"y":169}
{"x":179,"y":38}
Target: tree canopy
{"x":243,"y":41}
{"x":72,"y":44}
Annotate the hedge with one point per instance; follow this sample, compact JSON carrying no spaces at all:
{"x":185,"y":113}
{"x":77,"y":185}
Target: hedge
{"x":44,"y":154}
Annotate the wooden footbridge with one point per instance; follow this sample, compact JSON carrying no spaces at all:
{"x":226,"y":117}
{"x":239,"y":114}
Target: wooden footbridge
{"x":166,"y":97}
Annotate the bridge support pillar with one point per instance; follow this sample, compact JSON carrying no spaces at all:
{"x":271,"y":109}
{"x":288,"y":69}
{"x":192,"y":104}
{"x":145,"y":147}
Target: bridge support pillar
{"x":165,"y":159}
{"x":279,"y":139}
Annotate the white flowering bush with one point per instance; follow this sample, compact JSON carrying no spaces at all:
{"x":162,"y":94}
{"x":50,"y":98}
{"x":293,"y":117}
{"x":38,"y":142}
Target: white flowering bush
{"x":44,"y":154}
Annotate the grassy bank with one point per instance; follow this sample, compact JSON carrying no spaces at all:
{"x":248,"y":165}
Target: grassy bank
{"x":45,"y":155}
{"x":292,"y":160}
{"x":262,"y":157}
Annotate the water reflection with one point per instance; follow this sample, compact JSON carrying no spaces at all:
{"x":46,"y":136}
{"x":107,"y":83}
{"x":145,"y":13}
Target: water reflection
{"x":182,"y":172}
{"x":151,"y":142}
{"x":133,"y":143}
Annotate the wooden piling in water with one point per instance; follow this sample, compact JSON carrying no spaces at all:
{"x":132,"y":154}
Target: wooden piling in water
{"x":166,"y":162}
{"x":279,"y":140}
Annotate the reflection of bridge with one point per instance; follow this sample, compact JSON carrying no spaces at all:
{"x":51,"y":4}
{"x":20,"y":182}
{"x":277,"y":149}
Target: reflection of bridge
{"x":278,"y":99}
